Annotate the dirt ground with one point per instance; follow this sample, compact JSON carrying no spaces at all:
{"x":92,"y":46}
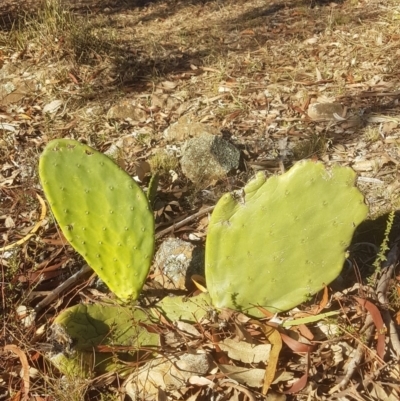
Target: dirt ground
{"x":252,"y":72}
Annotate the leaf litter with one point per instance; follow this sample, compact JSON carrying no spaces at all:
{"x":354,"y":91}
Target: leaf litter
{"x":255,"y":72}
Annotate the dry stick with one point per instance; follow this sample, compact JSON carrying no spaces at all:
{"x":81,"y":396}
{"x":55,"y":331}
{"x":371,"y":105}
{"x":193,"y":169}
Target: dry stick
{"x":86,"y":269}
{"x":388,"y":268}
{"x":62,"y":287}
{"x":372,"y":94}
{"x":359,"y":354}
{"x":185,"y":221}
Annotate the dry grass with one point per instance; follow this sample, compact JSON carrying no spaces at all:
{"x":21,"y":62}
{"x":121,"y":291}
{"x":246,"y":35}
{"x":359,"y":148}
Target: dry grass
{"x":248,"y":68}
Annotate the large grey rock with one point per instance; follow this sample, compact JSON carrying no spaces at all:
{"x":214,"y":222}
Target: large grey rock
{"x":207,"y":158}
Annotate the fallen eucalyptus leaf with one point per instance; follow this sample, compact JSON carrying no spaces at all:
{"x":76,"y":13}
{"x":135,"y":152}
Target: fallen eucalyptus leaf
{"x":245,"y":352}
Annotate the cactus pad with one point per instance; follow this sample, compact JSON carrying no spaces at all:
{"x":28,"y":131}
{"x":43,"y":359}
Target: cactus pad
{"x":282,"y":239}
{"x":117,"y":333}
{"x":102,"y":212}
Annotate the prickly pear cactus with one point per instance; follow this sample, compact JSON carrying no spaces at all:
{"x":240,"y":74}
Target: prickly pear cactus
{"x":282,"y":239}
{"x":102,"y":212}
{"x":101,"y":338}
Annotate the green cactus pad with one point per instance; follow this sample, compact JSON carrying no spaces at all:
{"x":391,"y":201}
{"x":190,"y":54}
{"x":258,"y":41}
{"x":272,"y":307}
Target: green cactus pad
{"x":102,"y":212}
{"x":182,"y":308}
{"x":86,"y":328}
{"x":282,"y":239}
{"x":91,"y":325}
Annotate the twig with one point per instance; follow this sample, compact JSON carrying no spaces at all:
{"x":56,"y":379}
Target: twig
{"x":33,"y":230}
{"x":185,"y":221}
{"x":62,"y":287}
{"x":359,"y":354}
{"x":372,"y":94}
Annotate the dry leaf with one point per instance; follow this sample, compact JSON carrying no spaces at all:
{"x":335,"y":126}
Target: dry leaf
{"x":53,"y":106}
{"x":9,"y":222}
{"x":7,"y":127}
{"x":201,"y":381}
{"x":25,"y":367}
{"x":187,"y":328}
{"x":378,"y":321}
{"x":252,"y":377}
{"x":245,"y":352}
{"x":169,"y":84}
{"x":275,"y":339}
{"x":246,"y":376}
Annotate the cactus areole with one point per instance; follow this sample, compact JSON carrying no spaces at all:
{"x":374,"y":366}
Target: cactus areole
{"x":282,"y":239}
{"x":102,"y":212}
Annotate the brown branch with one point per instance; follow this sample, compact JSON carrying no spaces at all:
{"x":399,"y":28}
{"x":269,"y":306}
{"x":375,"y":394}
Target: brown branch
{"x":358,"y":357}
{"x":62,"y":287}
{"x":183,"y":222}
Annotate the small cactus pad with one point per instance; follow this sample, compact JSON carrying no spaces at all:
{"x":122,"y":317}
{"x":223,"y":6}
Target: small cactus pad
{"x":89,"y":326}
{"x":282,"y":239}
{"x":102,"y":212}
{"x":111,"y":329}
{"x":184,"y":309}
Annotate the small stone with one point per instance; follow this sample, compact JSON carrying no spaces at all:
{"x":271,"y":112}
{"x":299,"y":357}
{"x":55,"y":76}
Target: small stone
{"x":15,"y":90}
{"x":176,"y":261}
{"x":325,"y":111}
{"x":208,"y":158}
{"x":126,"y":110}
{"x":185,"y":129}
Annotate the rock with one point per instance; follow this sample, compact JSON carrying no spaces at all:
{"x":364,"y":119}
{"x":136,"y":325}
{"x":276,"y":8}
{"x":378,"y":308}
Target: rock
{"x":208,"y":158}
{"x":126,"y":109}
{"x":14,"y":85}
{"x":176,"y":261}
{"x":15,"y":90}
{"x":325,"y":111}
{"x":185,"y":129}
{"x":167,"y":373}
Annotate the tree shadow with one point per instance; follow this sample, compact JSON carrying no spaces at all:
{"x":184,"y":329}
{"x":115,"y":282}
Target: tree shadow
{"x":365,"y":247}
{"x":249,"y":30}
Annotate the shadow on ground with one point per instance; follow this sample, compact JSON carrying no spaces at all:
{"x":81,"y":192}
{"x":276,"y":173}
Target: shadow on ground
{"x":134,"y":65}
{"x":365,"y":247}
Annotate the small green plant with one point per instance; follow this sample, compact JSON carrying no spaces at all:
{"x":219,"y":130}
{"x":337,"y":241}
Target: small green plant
{"x":372,"y":134}
{"x":162,"y":163}
{"x":314,"y":145}
{"x":381,"y":257}
{"x":59,"y":32}
{"x":45,"y":24}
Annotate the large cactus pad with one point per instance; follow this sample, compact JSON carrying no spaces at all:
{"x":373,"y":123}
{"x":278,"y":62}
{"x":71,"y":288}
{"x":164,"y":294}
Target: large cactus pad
{"x":102,"y":212}
{"x":282,"y":239}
